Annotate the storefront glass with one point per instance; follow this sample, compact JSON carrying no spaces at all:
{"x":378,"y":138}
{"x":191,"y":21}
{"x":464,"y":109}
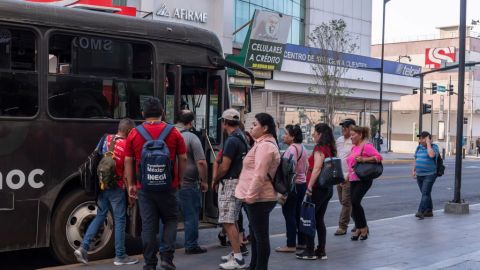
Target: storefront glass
{"x":244,"y":10}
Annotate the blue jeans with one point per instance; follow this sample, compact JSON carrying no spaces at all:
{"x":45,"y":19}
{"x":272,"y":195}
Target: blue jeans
{"x":425,"y":183}
{"x":190,"y":204}
{"x":156,"y":206}
{"x":259,"y":216}
{"x":117,"y":199}
{"x":291,"y":212}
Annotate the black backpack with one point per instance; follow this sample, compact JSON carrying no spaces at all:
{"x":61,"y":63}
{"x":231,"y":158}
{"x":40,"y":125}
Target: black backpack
{"x":440,"y":166}
{"x":284,"y":179}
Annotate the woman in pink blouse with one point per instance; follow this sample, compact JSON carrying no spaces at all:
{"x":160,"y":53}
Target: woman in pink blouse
{"x":256,"y":189}
{"x":362,"y":151}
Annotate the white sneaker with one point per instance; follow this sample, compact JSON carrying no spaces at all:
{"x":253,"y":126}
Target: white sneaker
{"x":233,"y":264}
{"x":228,"y":257}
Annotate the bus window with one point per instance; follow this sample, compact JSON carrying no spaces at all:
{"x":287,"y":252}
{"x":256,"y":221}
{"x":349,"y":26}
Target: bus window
{"x":18,"y":75}
{"x":98,"y":77}
{"x":170,"y":96}
{"x":214,"y":105}
{"x":194,"y":95}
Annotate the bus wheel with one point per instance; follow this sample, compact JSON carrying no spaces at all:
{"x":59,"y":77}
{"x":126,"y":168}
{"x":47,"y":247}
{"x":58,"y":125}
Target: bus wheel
{"x":70,"y":222}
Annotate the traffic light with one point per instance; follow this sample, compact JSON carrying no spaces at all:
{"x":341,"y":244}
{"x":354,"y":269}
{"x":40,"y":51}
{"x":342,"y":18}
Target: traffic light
{"x":465,"y":120}
{"x":450,"y":89}
{"x":415,"y":91}
{"x":427,"y":108}
{"x":434,"y":88}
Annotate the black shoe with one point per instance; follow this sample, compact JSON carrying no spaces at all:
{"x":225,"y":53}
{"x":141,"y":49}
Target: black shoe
{"x":167,"y":263}
{"x":428,"y":213}
{"x":306,"y":255}
{"x":320,"y":253}
{"x":244,"y":250}
{"x":223,"y":239}
{"x":195,"y":250}
{"x":355,"y":236}
{"x":419,"y":215}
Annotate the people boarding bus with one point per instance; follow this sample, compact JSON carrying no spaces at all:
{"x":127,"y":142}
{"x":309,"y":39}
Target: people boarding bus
{"x":61,"y":90}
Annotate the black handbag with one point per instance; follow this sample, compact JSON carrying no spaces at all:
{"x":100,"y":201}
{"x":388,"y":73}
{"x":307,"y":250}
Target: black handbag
{"x":331,"y":173}
{"x":366,"y":170}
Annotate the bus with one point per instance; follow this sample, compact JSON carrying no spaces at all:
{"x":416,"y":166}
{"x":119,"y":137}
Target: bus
{"x":66,"y":77}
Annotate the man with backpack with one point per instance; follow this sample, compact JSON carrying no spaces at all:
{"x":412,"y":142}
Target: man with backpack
{"x":112,"y":187}
{"x":230,"y":165}
{"x":428,"y":166}
{"x":193,"y":184}
{"x":160,"y":154}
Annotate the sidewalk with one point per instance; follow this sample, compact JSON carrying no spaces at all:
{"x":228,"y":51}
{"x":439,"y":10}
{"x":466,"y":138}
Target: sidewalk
{"x":448,"y":242}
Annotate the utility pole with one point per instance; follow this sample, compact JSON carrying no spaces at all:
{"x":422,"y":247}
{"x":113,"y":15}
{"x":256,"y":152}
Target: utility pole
{"x":448,"y":116}
{"x":431,"y":117}
{"x":457,"y":206}
{"x":420,"y":111}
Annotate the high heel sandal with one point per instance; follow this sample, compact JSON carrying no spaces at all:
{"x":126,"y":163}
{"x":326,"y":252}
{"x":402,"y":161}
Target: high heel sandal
{"x":356,"y":235}
{"x":365,"y":237}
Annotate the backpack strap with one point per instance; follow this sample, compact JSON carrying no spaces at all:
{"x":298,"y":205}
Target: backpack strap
{"x":111,"y":147}
{"x":165,"y":132}
{"x":144,"y":133}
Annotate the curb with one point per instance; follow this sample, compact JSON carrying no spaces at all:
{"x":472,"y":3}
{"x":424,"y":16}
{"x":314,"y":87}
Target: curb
{"x":398,"y":161}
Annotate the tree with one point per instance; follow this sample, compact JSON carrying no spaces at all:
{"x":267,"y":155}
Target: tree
{"x":332,"y":41}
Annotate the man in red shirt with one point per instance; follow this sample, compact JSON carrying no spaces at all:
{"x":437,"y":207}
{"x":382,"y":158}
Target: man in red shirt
{"x":115,"y":197}
{"x":156,"y":205}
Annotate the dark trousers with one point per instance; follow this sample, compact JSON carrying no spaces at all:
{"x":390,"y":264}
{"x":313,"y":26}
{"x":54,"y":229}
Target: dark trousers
{"x":425,"y":183}
{"x":320,"y":197}
{"x":291,"y":212}
{"x":358,"y":189}
{"x":156,"y":206}
{"x":259,"y":217}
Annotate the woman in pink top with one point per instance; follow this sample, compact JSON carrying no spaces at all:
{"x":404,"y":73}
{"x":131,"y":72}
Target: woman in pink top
{"x":292,"y":206}
{"x":362,"y":151}
{"x":256,"y":189}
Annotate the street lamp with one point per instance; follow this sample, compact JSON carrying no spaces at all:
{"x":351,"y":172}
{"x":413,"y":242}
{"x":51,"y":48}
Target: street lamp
{"x":381,"y":71}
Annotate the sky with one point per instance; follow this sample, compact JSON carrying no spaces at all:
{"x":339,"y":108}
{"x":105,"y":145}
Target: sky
{"x":414,"y":19}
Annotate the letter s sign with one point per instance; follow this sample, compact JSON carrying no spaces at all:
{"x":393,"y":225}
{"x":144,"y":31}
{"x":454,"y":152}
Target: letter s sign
{"x":435,"y":56}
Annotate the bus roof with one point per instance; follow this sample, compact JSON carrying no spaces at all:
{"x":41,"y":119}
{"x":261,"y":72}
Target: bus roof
{"x":94,"y":21}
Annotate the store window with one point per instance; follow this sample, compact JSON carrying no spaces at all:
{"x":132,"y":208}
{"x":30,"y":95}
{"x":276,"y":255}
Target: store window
{"x":18,"y":73}
{"x":244,"y":10}
{"x":98,"y":77}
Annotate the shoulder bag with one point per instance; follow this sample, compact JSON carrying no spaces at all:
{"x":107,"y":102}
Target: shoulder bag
{"x":367,"y":170}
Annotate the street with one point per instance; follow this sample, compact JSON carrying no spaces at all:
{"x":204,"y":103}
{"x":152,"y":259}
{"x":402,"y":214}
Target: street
{"x":395,"y":194}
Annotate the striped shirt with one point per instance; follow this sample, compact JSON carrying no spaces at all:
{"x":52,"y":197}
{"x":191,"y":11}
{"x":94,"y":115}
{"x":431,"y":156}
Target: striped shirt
{"x":424,"y":164}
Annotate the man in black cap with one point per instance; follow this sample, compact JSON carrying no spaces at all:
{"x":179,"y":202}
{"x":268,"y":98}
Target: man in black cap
{"x":344,"y":146}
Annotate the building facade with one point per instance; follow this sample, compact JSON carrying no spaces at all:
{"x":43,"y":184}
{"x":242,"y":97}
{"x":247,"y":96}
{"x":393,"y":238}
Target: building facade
{"x":285,"y":92}
{"x":435,"y":53}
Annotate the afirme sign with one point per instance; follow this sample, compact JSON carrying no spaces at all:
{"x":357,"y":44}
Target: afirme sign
{"x":269,"y":33}
{"x":182,"y":14}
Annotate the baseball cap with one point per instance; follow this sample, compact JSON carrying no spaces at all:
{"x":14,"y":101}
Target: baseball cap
{"x":347,"y":122}
{"x":423,"y":134}
{"x":230,"y":114}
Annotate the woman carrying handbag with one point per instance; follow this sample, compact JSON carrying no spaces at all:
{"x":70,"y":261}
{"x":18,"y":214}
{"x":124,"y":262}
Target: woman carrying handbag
{"x":320,"y":196}
{"x":364,"y":165}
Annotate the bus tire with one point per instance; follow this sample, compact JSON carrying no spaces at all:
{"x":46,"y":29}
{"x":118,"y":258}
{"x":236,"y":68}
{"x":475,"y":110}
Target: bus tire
{"x":69,"y":224}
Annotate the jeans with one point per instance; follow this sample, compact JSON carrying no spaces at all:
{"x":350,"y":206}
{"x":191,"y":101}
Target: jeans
{"x":115,"y":197}
{"x":156,"y":206}
{"x":425,"y":183}
{"x":320,"y":197}
{"x":346,"y":202}
{"x":259,"y":215}
{"x":189,"y":200}
{"x":358,"y":189}
{"x":291,"y":212}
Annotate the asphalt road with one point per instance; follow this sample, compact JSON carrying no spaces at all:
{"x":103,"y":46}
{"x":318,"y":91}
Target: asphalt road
{"x":394,"y":194}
